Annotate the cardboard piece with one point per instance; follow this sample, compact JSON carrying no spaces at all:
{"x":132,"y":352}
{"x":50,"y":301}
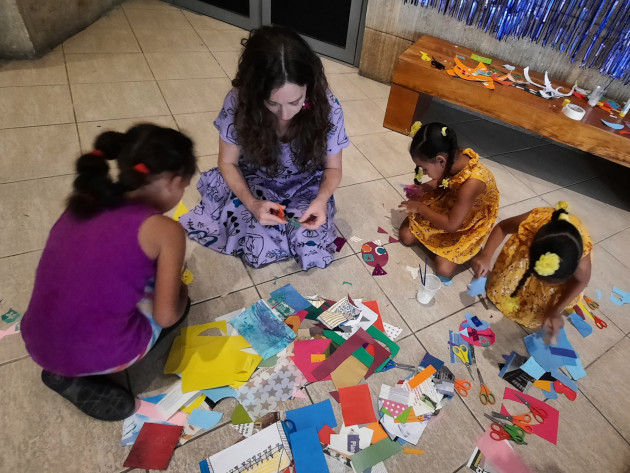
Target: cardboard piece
{"x":356,"y":405}
{"x":303,"y":350}
{"x":374,"y":454}
{"x":548,"y":430}
{"x":240,"y":416}
{"x":307,"y":452}
{"x":315,"y":416}
{"x":154,"y":446}
{"x":204,"y":419}
{"x":349,"y":373}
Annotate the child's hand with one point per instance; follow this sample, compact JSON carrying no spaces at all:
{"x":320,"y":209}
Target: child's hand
{"x":314,"y":216}
{"x":481,"y":265}
{"x":552,"y":325}
{"x":414,"y":192}
{"x":411,"y":207}
{"x":266,"y":212}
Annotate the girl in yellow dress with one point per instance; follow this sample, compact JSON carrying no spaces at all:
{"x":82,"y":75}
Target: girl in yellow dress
{"x":452,"y":214}
{"x":543,"y":267}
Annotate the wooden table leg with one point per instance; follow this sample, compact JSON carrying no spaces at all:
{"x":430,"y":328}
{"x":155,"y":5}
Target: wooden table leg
{"x":401,"y":108}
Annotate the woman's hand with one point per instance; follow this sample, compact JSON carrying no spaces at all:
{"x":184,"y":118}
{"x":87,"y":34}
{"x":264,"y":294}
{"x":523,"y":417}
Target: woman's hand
{"x":481,"y":264}
{"x":265,"y":212}
{"x":411,"y":207}
{"x":552,"y":324}
{"x":314,"y":216}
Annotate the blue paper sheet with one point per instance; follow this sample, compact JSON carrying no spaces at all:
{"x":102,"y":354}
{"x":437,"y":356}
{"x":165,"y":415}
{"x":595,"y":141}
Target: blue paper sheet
{"x":580,"y":324}
{"x":625,"y":296}
{"x":204,"y":419}
{"x":552,"y":394}
{"x":431,"y":360}
{"x":267,"y":334}
{"x":532,"y":368}
{"x":576,"y":371}
{"x":290,"y":297}
{"x":216,"y":394}
{"x":316,"y":416}
{"x":564,"y":379}
{"x":477,"y":287}
{"x":446,"y":281}
{"x":541,"y":352}
{"x":307,"y":452}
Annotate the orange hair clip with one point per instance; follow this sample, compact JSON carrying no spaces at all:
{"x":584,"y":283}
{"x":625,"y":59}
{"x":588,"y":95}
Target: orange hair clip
{"x":142,"y":168}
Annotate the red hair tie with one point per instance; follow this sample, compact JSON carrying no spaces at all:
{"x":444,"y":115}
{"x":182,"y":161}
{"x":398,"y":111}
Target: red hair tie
{"x":97,"y":152}
{"x":141,"y":168}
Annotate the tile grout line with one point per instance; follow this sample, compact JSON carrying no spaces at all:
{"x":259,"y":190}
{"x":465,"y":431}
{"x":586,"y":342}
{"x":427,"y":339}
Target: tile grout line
{"x":6,"y":363}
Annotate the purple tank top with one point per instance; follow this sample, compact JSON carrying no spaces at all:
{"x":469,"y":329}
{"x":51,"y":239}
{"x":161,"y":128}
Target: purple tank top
{"x":82,"y":317}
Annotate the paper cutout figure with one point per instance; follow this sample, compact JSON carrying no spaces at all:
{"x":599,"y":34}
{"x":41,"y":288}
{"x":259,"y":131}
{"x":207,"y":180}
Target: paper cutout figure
{"x":377,"y":253}
{"x":467,"y":73}
{"x":154,"y":446}
{"x":614,"y":126}
{"x":477,"y":332}
{"x":625,"y":297}
{"x":339,"y":242}
{"x":532,"y":368}
{"x":393,"y":240}
{"x":547,"y":90}
{"x":542,"y":353}
{"x":380,"y":230}
{"x":548,"y":430}
{"x":324,"y":434}
{"x":356,"y":405}
{"x":378,"y":271}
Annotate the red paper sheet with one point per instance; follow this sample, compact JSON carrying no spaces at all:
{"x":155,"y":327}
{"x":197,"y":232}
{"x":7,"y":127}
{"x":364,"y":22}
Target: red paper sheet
{"x":324,"y":434}
{"x":548,"y":430}
{"x":154,"y":446}
{"x":302,"y":351}
{"x":373,"y":305}
{"x":356,"y":405}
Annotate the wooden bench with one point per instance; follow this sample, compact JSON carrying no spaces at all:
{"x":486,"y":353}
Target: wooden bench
{"x":415,"y":81}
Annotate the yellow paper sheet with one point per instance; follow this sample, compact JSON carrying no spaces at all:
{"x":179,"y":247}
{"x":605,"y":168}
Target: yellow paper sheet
{"x":349,"y":373}
{"x":179,"y":211}
{"x":194,"y":404}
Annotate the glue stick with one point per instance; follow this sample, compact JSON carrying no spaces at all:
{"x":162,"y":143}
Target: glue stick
{"x":625,"y":110}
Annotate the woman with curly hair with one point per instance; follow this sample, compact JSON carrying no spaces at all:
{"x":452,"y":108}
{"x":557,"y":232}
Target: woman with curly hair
{"x":281,"y":135}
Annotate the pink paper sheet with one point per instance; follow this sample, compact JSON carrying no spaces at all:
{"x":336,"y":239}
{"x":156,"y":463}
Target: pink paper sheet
{"x":501,"y":455}
{"x":302,"y":351}
{"x":548,"y":430}
{"x":148,"y":409}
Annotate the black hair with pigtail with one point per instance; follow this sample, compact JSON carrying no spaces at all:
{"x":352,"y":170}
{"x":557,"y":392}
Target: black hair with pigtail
{"x":142,"y":153}
{"x":433,"y":139}
{"x":556,"y":250}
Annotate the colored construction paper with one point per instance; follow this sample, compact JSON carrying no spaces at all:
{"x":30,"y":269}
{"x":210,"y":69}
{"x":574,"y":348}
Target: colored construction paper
{"x":548,"y":430}
{"x":347,"y":348}
{"x":625,"y":296}
{"x":267,"y":334}
{"x":422,"y":376}
{"x":349,"y":373}
{"x":216,"y":394}
{"x":404,"y":416}
{"x":562,"y":389}
{"x":317,"y":357}
{"x":430,"y":360}
{"x":269,"y":362}
{"x":374,"y":454}
{"x":307,"y":452}
{"x":565,"y":380}
{"x":289,"y":297}
{"x":614,"y":126}
{"x":154,"y":446}
{"x":324,"y":434}
{"x":194,"y":404}
{"x":576,"y":371}
{"x":542,"y":353}
{"x":356,"y":405}
{"x":562,"y":352}
{"x":393,"y":240}
{"x":240,"y":416}
{"x":413,"y":451}
{"x":477,"y":287}
{"x":446,"y":281}
{"x":339,"y":242}
{"x":532,"y":368}
{"x":315,"y":416}
{"x":204,"y":419}
{"x":378,"y":271}
{"x":476,"y":57}
{"x":373,"y":305}
{"x":551,"y":393}
{"x":380,"y":230}
{"x":334,"y":395}
{"x":179,"y":211}
{"x":581,"y":325}
{"x":542,"y":384}
{"x":303,"y":350}
{"x":379,"y":434}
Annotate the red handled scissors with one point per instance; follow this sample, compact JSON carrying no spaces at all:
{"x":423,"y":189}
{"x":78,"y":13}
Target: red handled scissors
{"x":539,"y":414}
{"x":503,"y":431}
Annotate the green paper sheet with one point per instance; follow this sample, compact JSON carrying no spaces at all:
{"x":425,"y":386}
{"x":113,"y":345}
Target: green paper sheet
{"x":240,"y":416}
{"x":404,"y":415}
{"x":476,"y":57}
{"x":374,"y":454}
{"x":269,"y":362}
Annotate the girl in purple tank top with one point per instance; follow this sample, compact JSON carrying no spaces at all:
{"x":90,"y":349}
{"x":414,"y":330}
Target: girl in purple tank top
{"x":109,"y":279}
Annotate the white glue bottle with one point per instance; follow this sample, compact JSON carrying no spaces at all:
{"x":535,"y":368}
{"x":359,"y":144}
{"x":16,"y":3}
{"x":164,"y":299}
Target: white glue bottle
{"x":595,"y":95}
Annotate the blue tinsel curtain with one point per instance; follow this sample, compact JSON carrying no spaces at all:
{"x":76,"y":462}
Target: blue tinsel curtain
{"x":595,"y":32}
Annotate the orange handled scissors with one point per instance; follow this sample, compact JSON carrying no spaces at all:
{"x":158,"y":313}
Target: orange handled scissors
{"x":462,"y":387}
{"x":519,"y":423}
{"x":538,"y":413}
{"x":485,"y":396}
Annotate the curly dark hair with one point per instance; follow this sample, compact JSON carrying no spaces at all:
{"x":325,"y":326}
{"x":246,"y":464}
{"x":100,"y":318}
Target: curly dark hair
{"x":273,"y":56}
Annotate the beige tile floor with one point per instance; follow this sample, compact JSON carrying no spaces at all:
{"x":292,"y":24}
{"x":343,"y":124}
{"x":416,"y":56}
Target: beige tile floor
{"x":148,"y":61}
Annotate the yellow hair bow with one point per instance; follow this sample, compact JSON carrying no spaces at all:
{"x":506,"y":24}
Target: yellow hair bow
{"x":414,"y":129}
{"x":444,"y":130}
{"x":547,"y":264}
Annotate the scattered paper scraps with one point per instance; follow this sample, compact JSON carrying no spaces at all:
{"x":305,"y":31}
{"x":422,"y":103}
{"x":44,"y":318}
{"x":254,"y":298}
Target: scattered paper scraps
{"x":303,"y":351}
{"x":240,"y":416}
{"x":543,"y":354}
{"x":476,"y":57}
{"x":173,"y":400}
{"x":414,"y":271}
{"x":216,"y":394}
{"x":532,"y":368}
{"x":410,"y":432}
{"x":548,"y":430}
{"x":266,"y":388}
{"x":349,"y":373}
{"x":318,"y":357}
{"x":379,"y":433}
{"x":356,"y":405}
{"x":511,"y":371}
{"x":476,"y":331}
{"x":154,"y":446}
{"x":339,"y":242}
{"x":267,"y":334}
{"x":392,"y":331}
{"x":491,"y":456}
{"x":342,"y":311}
{"x":477,"y":287}
{"x":623,"y":299}
{"x":132,"y":426}
{"x":10,"y":323}
{"x":614,"y":126}
{"x":430,"y":360}
{"x":374,"y":254}
{"x":374,"y":454}
{"x":12,"y":330}
{"x":194,"y":404}
{"x":315,"y":415}
{"x":268,"y":448}
{"x":289,"y":299}
{"x":204,"y":419}
{"x":355,"y":239}
{"x":193,"y":356}
{"x":581,"y":325}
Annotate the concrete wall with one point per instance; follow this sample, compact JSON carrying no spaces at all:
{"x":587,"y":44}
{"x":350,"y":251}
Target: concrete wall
{"x":391,"y":27}
{"x":30,"y":28}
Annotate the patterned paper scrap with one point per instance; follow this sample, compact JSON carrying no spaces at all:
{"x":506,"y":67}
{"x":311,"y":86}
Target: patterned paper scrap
{"x":246,"y":430}
{"x":392,"y":331}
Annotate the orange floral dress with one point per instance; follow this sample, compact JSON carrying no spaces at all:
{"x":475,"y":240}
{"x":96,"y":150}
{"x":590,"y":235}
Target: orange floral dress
{"x":466,"y":242}
{"x":536,"y":295}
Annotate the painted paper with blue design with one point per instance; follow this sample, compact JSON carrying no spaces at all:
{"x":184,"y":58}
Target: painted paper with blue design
{"x":287,"y":301}
{"x":267,"y":334}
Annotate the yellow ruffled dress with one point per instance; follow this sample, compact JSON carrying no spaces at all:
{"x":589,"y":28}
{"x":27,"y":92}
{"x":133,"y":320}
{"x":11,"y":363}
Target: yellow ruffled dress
{"x":536,"y":295}
{"x":466,"y":242}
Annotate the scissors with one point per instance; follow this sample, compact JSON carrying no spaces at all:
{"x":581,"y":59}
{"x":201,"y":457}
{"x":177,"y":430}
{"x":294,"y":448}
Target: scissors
{"x":461,"y":352}
{"x":485,"y":396}
{"x":538,"y":413}
{"x":503,"y":431}
{"x":392,"y":364}
{"x":599,"y":323}
{"x":591,"y":303}
{"x":519,"y":423}
{"x":462,"y":386}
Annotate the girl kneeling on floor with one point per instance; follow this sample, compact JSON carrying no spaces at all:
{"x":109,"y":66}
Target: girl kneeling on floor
{"x":542,"y":269}
{"x":453,"y":213}
{"x":109,"y":278}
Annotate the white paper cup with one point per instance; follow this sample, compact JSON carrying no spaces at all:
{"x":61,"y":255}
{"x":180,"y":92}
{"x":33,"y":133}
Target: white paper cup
{"x":427,"y":290}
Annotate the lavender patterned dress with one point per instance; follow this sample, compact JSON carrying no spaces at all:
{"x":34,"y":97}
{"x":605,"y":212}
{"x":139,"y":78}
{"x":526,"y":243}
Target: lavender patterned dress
{"x":221,"y":221}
